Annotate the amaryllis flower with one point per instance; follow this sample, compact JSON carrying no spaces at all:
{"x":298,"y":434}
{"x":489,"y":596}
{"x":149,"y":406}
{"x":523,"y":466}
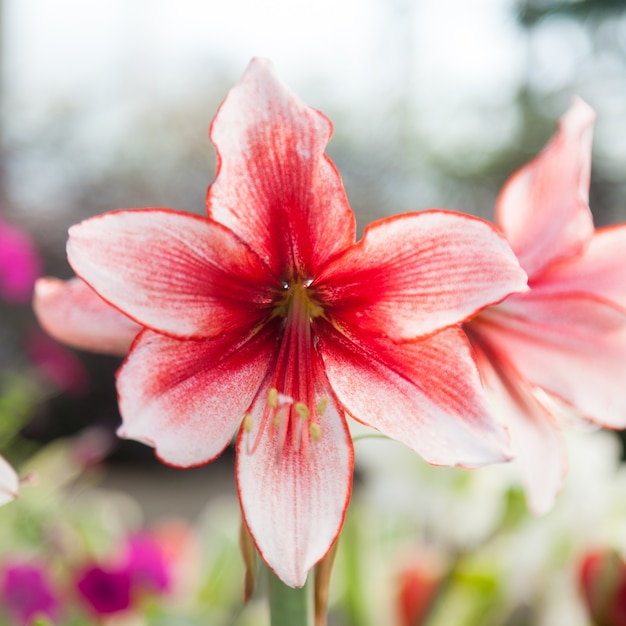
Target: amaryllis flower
{"x":561,"y":347}
{"x":266,"y":319}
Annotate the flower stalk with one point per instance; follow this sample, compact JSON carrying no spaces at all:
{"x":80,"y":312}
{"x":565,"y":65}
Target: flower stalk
{"x":289,"y":606}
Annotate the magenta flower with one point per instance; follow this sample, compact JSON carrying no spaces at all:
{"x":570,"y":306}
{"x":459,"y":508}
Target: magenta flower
{"x":26,"y":592}
{"x":146,"y":563}
{"x":106,"y":590}
{"x":561,"y":346}
{"x":19,"y":264}
{"x":266,"y":319}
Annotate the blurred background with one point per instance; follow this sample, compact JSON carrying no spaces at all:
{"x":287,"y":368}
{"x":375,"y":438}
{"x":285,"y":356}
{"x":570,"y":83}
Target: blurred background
{"x":106,"y":104}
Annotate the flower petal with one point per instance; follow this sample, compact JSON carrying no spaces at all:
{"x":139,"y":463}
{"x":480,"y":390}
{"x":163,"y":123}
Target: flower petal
{"x":599,"y":272}
{"x":275,"y":187}
{"x":572,"y":347}
{"x":414,"y":274}
{"x":425,"y":394}
{"x":543,"y":208}
{"x":9,"y":482}
{"x":536,"y":441}
{"x":187,"y":398}
{"x":175,"y":273}
{"x":73,"y":313}
{"x":294,"y":501}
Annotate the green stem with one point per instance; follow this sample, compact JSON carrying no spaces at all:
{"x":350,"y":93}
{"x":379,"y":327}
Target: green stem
{"x":288,"y":606}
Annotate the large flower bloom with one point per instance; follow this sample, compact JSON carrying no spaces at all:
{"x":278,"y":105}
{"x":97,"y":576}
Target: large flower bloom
{"x":560,"y":347}
{"x":266,"y":319}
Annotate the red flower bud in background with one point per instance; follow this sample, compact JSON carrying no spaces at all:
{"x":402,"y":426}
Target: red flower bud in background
{"x":418,"y":585}
{"x":603,"y":585}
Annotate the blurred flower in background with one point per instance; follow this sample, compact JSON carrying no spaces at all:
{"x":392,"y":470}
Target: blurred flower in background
{"x":27,"y":592}
{"x":20,"y":264}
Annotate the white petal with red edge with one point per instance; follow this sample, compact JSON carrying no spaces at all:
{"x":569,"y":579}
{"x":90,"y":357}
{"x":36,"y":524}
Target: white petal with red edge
{"x":175,"y":273}
{"x":600,"y":271}
{"x":187,"y":398}
{"x":572,"y":347}
{"x":414,"y":274}
{"x":427,"y":394}
{"x":9,"y":482}
{"x":73,"y":313}
{"x":543,"y":208}
{"x":536,"y":439}
{"x":294,"y":501}
{"x":275,"y":187}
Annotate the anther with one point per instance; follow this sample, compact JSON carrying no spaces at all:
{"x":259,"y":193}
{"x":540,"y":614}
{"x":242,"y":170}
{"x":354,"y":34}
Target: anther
{"x":321,"y":406}
{"x":272,"y":398}
{"x":302,"y":410}
{"x":315,"y":431}
{"x":248,"y":422}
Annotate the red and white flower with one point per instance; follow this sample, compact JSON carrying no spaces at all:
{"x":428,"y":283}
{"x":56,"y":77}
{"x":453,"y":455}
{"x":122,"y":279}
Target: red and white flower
{"x":562,"y":345}
{"x":265,"y":318}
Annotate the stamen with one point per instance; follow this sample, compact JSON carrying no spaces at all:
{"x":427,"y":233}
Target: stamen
{"x":272,"y":398}
{"x":315,"y":431}
{"x":289,"y":410}
{"x":321,"y":406}
{"x":248,"y":422}
{"x":302,"y":410}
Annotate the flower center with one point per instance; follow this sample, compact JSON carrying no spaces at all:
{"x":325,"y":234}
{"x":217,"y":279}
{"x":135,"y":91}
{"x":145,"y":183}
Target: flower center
{"x":291,"y":410}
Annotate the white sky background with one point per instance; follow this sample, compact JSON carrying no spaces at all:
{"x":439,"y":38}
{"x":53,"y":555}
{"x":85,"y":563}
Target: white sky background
{"x":455,"y":64}
{"x":355,"y":52}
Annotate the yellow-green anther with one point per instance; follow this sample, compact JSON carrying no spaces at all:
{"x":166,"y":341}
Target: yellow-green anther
{"x":247,"y":422}
{"x":272,"y":397}
{"x":315,"y":431}
{"x":302,"y":410}
{"x":321,"y":406}
{"x":278,"y":417}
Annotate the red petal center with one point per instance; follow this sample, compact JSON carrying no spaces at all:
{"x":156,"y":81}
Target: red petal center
{"x":290,"y":405}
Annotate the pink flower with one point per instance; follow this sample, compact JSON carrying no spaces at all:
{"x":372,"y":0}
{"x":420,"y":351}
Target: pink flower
{"x":146,"y":562}
{"x":26,"y":592}
{"x":141,"y":568}
{"x":561,"y":346}
{"x":19,"y":264}
{"x":266,"y":319}
{"x":106,"y":590}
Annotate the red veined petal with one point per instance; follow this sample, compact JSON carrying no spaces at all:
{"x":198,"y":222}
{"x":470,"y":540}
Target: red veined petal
{"x":414,"y":274}
{"x":275,"y":187}
{"x":176,"y":273}
{"x":425,"y":394}
{"x":570,"y":346}
{"x":600,"y":271}
{"x":543,"y":208}
{"x":73,"y":313}
{"x":536,"y":440}
{"x":294,"y":500}
{"x":9,"y":482}
{"x":187,"y":398}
